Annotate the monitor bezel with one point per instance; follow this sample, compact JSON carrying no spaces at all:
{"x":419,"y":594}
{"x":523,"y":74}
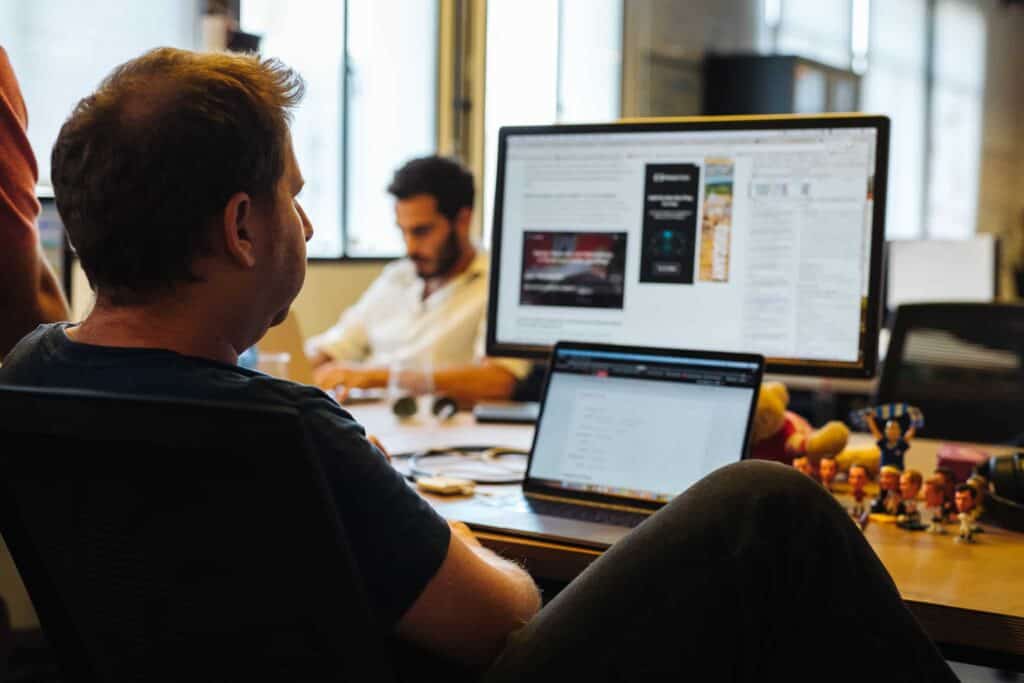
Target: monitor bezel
{"x":867,"y":365}
{"x":536,"y":486}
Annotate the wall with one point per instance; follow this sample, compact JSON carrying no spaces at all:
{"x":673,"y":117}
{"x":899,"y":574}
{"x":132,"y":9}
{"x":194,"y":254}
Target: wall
{"x":331,"y":288}
{"x":1001,"y":186}
{"x":664,"y":42}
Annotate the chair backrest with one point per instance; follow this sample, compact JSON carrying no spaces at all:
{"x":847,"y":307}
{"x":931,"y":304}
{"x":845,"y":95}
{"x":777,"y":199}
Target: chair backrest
{"x":180,"y":540}
{"x":963,"y":365}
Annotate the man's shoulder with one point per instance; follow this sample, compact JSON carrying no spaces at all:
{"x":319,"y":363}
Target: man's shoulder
{"x":316,"y":407}
{"x":31,"y":349}
{"x":46,"y":358}
{"x":399,"y":270}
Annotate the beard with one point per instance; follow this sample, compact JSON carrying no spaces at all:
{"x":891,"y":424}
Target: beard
{"x":450,"y":254}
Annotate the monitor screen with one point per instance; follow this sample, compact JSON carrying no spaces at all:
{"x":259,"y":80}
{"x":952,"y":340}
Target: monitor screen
{"x":923,"y":271}
{"x":54,"y":243}
{"x":744,"y":234}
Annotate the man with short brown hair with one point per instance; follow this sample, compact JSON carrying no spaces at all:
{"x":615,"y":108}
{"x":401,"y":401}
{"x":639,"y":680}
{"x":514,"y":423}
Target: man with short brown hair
{"x":177,"y":184}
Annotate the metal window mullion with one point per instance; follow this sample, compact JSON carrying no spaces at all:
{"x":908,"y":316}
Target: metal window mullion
{"x":343,"y":127}
{"x":929,"y":113}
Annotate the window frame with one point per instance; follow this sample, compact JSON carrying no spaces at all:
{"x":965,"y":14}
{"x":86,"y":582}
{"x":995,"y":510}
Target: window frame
{"x":441,"y":86}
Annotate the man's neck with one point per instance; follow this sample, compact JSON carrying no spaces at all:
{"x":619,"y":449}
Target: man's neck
{"x":432,"y":284}
{"x":163,"y":326}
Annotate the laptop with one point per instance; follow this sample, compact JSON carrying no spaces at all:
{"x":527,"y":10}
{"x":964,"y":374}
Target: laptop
{"x":621,"y":431}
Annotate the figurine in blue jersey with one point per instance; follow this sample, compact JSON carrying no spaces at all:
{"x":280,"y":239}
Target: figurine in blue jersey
{"x":894,"y":443}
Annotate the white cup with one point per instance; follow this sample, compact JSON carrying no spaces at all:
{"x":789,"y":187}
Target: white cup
{"x":411,"y":388}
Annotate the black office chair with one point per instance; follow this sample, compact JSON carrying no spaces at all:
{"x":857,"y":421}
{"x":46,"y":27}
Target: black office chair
{"x":165,"y":540}
{"x":963,"y":365}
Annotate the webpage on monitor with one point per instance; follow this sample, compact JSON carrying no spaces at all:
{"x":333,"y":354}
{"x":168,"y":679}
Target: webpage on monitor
{"x":754,"y":241}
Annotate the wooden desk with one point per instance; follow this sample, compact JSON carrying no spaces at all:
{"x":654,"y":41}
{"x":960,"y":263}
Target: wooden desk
{"x":968,"y":596}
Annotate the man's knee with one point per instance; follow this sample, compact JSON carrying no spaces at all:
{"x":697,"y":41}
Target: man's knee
{"x":755,"y":482}
{"x":765,"y":477}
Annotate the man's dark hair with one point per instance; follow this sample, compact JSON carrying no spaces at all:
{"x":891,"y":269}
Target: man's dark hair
{"x":443,"y":178}
{"x":968,"y":488}
{"x":144,"y":166}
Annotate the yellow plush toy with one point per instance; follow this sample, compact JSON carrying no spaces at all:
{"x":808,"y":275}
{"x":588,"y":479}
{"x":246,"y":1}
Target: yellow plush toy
{"x":781,"y":435}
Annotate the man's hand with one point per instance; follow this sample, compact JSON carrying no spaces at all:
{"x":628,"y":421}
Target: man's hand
{"x":341,"y":377}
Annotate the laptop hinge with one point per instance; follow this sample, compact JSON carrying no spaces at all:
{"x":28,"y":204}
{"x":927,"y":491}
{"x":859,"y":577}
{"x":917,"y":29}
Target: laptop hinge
{"x":590,"y":503}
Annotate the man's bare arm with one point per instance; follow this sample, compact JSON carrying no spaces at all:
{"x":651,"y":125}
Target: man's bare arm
{"x":472,"y":604}
{"x":29,"y":295}
{"x":475,"y":382}
{"x":465,"y":383}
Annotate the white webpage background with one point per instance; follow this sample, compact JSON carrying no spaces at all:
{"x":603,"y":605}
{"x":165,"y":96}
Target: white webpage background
{"x":645,"y":435}
{"x":798,"y":245}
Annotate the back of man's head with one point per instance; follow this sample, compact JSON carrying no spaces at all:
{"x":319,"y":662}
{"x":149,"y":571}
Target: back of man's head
{"x":443,"y":178}
{"x":143,"y":167}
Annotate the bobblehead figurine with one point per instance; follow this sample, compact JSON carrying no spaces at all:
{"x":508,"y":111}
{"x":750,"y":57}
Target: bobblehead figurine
{"x":858,"y":479}
{"x":948,"y":490}
{"x":909,"y":516}
{"x":827,"y":469}
{"x":894,"y":443}
{"x":966,"y":496}
{"x":934,"y":496}
{"x":888,"y":501}
{"x":803,"y":464}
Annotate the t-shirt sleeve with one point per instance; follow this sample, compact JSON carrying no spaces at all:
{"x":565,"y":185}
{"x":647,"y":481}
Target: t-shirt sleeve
{"x":18,"y":171}
{"x":398,"y":540}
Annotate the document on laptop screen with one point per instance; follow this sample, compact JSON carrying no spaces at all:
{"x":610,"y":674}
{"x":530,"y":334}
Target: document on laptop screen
{"x":640,"y":428}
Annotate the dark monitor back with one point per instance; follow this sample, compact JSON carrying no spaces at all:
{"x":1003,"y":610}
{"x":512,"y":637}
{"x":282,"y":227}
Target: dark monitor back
{"x":963,"y":365}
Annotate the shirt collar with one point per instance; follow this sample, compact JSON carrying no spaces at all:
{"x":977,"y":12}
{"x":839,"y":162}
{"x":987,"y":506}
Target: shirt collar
{"x":477,"y":268}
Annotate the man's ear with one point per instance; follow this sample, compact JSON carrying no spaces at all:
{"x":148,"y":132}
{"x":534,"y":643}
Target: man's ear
{"x":464,"y":221}
{"x":238,"y":231}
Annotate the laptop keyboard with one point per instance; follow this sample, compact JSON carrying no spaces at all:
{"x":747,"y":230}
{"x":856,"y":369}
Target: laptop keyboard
{"x":585,"y":513}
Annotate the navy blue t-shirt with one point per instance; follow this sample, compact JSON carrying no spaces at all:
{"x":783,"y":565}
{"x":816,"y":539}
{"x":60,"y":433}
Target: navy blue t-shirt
{"x":893,"y":455}
{"x":398,"y":540}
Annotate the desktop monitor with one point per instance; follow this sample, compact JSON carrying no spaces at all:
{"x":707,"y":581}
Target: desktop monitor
{"x":743,"y":234}
{"x":54,"y":240}
{"x":928,"y":271}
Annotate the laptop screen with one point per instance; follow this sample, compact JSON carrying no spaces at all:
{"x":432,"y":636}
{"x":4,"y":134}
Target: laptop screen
{"x":643,"y":425}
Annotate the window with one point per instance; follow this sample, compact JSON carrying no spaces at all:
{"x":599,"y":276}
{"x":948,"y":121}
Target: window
{"x":548,"y":62}
{"x":934,"y":99}
{"x":816,"y":29}
{"x":895,"y":85}
{"x":958,"y":59}
{"x":368,"y":108}
{"x":61,"y":50}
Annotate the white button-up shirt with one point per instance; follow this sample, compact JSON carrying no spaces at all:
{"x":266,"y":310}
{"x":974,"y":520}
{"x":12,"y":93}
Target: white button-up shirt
{"x":393,"y":322}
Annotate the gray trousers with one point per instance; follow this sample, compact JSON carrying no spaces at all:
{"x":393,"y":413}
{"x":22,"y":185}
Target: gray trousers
{"x":754,"y":573}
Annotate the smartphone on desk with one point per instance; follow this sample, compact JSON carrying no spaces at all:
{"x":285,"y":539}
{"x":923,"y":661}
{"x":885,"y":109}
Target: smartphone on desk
{"x":369,"y":395}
